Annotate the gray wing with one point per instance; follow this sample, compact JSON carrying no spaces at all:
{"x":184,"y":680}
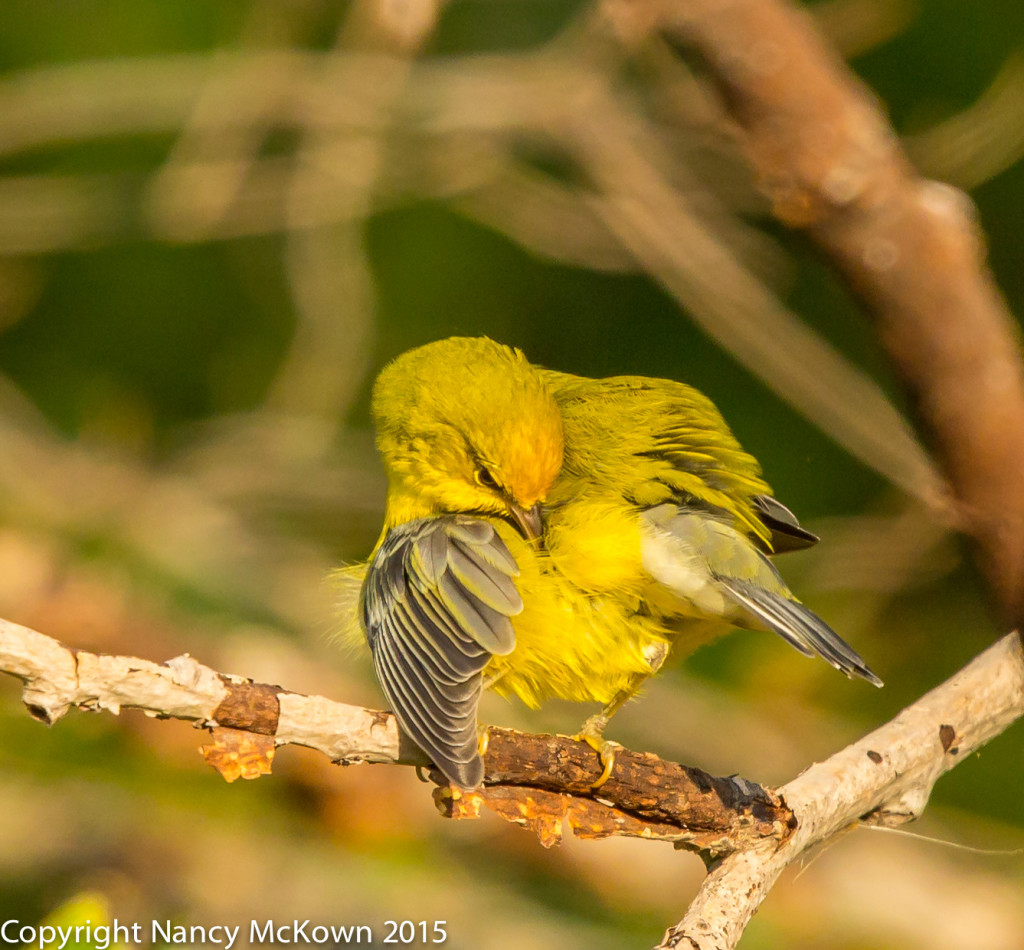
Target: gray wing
{"x":799,"y":627}
{"x":719,"y":571}
{"x":437,"y":600}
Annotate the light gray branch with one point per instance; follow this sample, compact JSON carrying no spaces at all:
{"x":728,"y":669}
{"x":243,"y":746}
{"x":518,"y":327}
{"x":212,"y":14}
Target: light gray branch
{"x":58,"y":678}
{"x":885,"y":778}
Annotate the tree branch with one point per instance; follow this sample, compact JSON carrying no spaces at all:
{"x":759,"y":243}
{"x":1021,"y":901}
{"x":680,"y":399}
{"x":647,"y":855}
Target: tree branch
{"x":541,"y":781}
{"x":535,"y":780}
{"x":885,"y":779}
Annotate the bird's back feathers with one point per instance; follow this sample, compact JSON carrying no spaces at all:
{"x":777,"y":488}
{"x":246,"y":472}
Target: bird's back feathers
{"x":653,"y":441}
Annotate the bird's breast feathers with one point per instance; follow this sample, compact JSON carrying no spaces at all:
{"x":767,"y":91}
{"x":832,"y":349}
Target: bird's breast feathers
{"x":582,"y":635}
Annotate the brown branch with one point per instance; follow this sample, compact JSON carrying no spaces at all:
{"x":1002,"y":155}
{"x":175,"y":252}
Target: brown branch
{"x":909,"y":248}
{"x":539,"y":780}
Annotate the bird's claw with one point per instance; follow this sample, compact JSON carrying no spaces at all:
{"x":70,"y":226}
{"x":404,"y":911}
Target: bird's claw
{"x":483,"y":739}
{"x":592,"y":734}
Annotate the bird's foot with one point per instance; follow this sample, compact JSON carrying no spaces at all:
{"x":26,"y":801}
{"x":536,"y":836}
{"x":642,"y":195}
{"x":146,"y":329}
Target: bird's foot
{"x":592,"y":734}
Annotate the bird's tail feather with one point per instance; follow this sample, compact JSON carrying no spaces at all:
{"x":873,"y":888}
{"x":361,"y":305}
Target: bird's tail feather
{"x":799,"y":627}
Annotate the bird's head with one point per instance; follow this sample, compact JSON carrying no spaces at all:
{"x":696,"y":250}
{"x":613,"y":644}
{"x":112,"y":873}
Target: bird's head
{"x":466,"y":425}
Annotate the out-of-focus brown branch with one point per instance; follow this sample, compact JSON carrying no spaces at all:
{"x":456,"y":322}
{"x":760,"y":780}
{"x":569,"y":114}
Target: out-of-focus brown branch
{"x":657,"y":224}
{"x":909,"y":248}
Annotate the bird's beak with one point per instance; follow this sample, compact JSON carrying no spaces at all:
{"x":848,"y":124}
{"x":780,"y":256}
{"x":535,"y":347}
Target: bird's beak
{"x":527,"y":520}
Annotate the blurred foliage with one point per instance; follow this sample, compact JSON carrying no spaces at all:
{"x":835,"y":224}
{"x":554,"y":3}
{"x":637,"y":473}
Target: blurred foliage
{"x":194,"y":299}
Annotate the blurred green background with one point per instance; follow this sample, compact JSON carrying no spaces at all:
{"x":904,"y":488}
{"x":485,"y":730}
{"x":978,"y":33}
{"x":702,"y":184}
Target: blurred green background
{"x":218,"y":221}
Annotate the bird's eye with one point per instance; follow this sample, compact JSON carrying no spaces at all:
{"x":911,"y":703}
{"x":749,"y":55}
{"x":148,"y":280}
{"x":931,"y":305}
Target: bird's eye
{"x":486,"y":479}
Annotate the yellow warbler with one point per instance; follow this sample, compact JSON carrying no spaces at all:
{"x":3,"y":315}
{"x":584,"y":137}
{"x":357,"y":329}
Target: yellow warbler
{"x":550,"y":535}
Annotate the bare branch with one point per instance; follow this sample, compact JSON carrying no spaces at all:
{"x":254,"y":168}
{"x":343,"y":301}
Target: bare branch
{"x":541,"y":781}
{"x":548,"y":777}
{"x":885,"y":778}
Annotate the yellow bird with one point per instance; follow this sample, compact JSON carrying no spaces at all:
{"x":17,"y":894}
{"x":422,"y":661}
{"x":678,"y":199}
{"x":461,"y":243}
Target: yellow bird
{"x":554,"y":536}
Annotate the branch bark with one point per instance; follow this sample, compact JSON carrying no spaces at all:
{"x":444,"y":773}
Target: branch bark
{"x":542,"y":781}
{"x":534,"y":780}
{"x":885,"y":779}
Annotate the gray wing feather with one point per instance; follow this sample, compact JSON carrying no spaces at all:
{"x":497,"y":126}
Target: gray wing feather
{"x":471,"y":530}
{"x":799,"y":627}
{"x":495,"y":556}
{"x":488,"y":627}
{"x":437,"y":603}
{"x":492,"y":588}
{"x":441,"y":722}
{"x":697,"y":556}
{"x":432,"y":552}
{"x":426,"y":715}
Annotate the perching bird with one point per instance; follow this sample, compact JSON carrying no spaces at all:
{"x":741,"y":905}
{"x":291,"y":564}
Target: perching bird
{"x":555,"y":536}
